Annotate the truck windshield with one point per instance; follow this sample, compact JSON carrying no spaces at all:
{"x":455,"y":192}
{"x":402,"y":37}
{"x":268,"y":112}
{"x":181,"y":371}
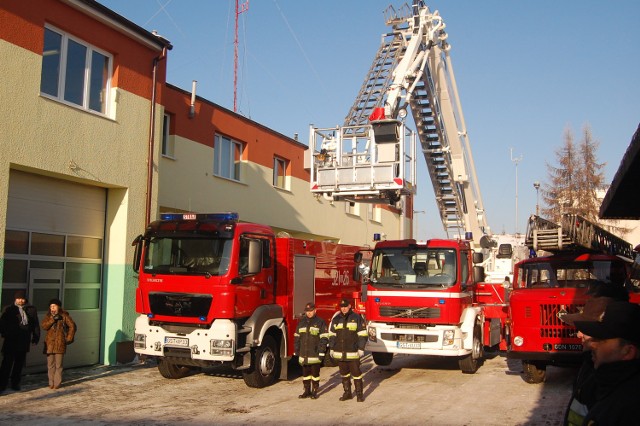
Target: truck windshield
{"x":190,"y":256}
{"x":413,"y":268}
{"x":570,"y":274}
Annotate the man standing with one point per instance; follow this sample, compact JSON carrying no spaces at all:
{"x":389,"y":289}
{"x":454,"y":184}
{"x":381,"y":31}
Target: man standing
{"x":584,"y":387}
{"x":19,"y":327}
{"x":310,"y":345}
{"x":347,"y":337}
{"x":615,"y":347}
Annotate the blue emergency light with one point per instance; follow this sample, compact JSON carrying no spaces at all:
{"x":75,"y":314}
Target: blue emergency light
{"x":220,"y":217}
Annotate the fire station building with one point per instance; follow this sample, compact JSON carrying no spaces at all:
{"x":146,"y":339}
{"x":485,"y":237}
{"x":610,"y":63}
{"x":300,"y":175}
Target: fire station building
{"x":96,"y":143}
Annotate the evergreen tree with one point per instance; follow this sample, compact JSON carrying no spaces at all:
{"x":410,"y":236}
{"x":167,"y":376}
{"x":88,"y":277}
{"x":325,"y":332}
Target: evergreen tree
{"x":576,"y":184}
{"x":590,"y":178}
{"x":560,"y":193}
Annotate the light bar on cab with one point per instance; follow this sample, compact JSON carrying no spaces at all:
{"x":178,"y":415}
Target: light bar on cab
{"x":221,"y":217}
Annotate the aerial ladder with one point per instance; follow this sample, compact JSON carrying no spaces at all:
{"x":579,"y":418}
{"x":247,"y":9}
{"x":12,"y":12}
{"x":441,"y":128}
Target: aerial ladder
{"x":574,"y":233}
{"x":371,"y":158}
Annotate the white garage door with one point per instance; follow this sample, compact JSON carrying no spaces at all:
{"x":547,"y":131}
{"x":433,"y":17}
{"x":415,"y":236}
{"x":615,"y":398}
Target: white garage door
{"x":54,"y":249}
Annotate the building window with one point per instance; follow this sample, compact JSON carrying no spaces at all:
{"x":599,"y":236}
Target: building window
{"x":375,"y":213}
{"x":280,"y":173}
{"x":75,"y":72}
{"x":167,"y":141}
{"x":227,"y":158}
{"x":352,"y":208}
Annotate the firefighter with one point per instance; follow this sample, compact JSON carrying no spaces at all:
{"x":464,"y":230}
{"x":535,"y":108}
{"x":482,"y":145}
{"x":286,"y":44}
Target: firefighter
{"x":310,"y":345}
{"x":347,"y":337}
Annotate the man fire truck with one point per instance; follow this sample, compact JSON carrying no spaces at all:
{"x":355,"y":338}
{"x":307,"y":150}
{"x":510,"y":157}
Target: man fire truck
{"x":213,"y":290}
{"x":548,"y":287}
{"x":422,"y":298}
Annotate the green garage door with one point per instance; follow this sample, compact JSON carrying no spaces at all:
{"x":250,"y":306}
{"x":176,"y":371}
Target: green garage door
{"x":54,"y":249}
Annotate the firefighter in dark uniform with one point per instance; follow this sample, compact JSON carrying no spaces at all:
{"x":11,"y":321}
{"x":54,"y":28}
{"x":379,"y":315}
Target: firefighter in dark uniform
{"x":347,"y":337}
{"x":310,"y":344}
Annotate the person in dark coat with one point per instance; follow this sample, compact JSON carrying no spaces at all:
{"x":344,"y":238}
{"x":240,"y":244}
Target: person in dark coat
{"x":310,"y":344}
{"x":583,"y":395}
{"x":19,"y":327}
{"x":615,"y":348}
{"x":61,"y":331}
{"x":347,"y":337}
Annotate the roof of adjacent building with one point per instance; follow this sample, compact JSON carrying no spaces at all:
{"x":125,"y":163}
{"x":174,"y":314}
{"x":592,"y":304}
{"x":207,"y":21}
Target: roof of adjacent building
{"x":621,"y":200}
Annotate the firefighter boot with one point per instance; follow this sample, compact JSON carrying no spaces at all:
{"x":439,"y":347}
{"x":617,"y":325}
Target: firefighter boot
{"x":314,"y":389}
{"x":307,"y":389}
{"x":346,"y":384}
{"x":359,"y":390}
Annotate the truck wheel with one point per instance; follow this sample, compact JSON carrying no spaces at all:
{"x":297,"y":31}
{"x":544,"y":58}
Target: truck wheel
{"x":265,"y":366}
{"x":470,"y":363}
{"x":169,"y":370}
{"x":534,"y":373}
{"x":382,"y":358}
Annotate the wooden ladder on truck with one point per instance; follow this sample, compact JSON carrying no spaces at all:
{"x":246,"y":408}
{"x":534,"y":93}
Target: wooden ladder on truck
{"x":574,"y":232}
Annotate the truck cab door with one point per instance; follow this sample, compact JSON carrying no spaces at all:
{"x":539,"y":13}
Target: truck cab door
{"x":254,"y":281}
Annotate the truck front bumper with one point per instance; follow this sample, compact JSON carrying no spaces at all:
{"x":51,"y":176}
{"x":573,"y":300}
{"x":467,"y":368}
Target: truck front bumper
{"x":438,"y":340}
{"x":215,"y":344}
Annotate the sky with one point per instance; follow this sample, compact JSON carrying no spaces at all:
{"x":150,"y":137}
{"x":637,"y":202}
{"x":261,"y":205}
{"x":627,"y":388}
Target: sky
{"x":526,"y":72}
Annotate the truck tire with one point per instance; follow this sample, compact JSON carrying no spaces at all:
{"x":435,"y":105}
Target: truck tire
{"x":169,"y":370}
{"x":534,"y":372}
{"x":382,"y":358}
{"x":469,"y":364}
{"x":265,"y":365}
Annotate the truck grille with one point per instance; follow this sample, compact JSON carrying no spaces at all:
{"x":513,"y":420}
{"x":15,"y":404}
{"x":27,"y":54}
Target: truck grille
{"x":409,"y":312}
{"x":550,"y":323}
{"x":180,"y":305}
{"x":395,"y":337}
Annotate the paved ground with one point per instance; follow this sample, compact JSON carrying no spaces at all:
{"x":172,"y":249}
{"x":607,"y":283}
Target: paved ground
{"x":411,"y":391}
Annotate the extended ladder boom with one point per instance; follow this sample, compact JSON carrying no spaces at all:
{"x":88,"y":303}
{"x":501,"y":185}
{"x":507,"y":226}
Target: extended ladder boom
{"x":574,"y":233}
{"x":411,"y":71}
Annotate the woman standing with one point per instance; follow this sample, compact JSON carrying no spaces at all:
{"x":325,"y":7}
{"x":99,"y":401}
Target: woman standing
{"x":60,"y":330}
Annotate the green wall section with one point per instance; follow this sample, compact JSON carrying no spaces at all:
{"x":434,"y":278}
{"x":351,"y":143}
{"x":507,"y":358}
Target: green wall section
{"x":119,"y":309}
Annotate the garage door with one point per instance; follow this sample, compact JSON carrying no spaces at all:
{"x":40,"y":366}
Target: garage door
{"x":54,"y":249}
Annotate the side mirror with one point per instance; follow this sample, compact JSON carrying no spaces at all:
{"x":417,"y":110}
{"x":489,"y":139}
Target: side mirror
{"x":137,"y":254}
{"x":357,"y":257}
{"x":255,"y":257}
{"x":477,"y":257}
{"x":478,"y":274}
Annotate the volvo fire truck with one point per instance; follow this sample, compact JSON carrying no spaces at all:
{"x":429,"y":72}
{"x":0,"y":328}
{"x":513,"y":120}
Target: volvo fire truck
{"x":577,"y":254}
{"x":443,"y":297}
{"x":422,"y":298}
{"x":214,"y":290}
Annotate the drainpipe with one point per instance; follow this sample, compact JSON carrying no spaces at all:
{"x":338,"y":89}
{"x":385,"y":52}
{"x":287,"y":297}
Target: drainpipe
{"x":152,"y":120}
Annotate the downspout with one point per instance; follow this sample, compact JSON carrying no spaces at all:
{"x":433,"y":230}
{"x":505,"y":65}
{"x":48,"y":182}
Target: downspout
{"x":152,"y":120}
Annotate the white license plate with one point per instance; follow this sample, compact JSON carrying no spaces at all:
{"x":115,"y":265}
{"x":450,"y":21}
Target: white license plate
{"x":176,"y":341}
{"x":408,"y":345}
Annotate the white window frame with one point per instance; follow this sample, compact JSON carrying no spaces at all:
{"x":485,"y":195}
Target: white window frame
{"x":105,"y":98}
{"x":231,"y":166}
{"x":168,"y":141}
{"x":279,"y":164}
{"x":375,"y":213}
{"x":352,"y":209}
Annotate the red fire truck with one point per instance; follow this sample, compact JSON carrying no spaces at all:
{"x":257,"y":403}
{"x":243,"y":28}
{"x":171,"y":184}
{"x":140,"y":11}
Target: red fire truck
{"x":546,"y":288}
{"x":424,"y":298}
{"x":213,"y":290}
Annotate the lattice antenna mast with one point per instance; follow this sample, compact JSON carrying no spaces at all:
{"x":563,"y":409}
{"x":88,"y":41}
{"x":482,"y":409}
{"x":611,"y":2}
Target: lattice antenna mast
{"x":239,"y":9}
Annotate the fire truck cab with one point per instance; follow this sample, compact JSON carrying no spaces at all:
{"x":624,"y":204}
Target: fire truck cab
{"x":582,"y":255}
